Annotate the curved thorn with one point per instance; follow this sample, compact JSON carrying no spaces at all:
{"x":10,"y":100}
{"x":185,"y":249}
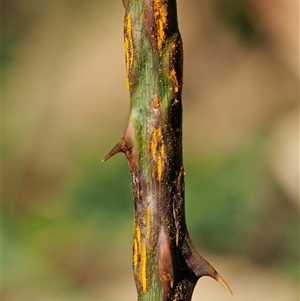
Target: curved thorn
{"x":199,"y":265}
{"x":218,"y":278}
{"x":120,"y":147}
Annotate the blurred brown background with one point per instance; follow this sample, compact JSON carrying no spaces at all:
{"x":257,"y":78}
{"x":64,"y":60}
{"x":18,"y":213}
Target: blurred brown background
{"x":67,"y":219}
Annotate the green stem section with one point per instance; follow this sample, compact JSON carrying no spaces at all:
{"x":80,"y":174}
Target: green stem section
{"x":166,"y":265}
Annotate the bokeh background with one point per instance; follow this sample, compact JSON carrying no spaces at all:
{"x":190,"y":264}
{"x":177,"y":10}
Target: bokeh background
{"x":67,"y":219}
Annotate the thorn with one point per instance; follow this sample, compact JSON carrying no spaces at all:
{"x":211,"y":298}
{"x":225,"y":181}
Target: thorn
{"x":176,"y":101}
{"x":218,"y":278}
{"x":200,"y":266}
{"x":119,"y":148}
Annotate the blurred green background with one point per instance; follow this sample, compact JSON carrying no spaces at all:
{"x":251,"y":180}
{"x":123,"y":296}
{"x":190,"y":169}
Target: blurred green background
{"x":67,"y":219}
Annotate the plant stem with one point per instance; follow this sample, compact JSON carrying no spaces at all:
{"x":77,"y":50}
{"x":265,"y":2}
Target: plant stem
{"x":166,"y":265}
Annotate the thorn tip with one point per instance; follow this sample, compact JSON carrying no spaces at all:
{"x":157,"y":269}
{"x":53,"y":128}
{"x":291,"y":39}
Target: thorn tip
{"x":118,"y":148}
{"x":200,"y":266}
{"x":219,"y":279}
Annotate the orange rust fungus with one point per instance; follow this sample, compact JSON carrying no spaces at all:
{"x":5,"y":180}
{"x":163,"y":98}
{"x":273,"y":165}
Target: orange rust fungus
{"x":135,"y":252}
{"x":140,"y":252}
{"x":160,"y":14}
{"x":143,"y":254}
{"x":136,"y":245}
{"x":143,"y":275}
{"x":157,"y":150}
{"x":159,"y":166}
{"x":128,"y":43}
{"x":173,"y":78}
{"x":156,"y":102}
